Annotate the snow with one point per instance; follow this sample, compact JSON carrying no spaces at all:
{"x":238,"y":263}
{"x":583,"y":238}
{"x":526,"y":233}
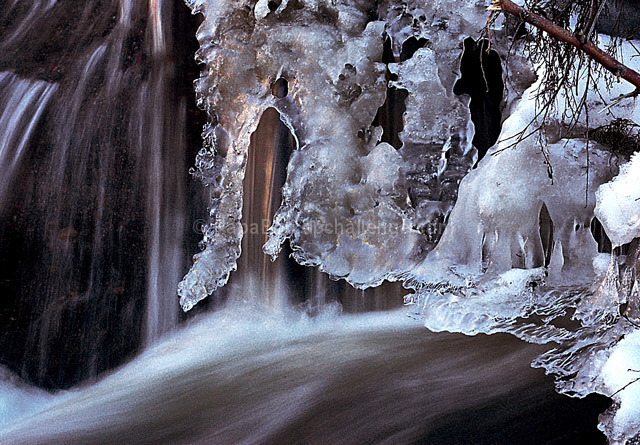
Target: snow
{"x":618,"y":204}
{"x":621,"y":375}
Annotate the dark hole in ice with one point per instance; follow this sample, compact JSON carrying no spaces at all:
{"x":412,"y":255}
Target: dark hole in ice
{"x":280,"y":88}
{"x":389,"y":115}
{"x":546,"y":234}
{"x":604,"y":243}
{"x":486,"y":254}
{"x":410,"y":46}
{"x":481,"y":80}
{"x":327,"y":15}
{"x":273,"y":5}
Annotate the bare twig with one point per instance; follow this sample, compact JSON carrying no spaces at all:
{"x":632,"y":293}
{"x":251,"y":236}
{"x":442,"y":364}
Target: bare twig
{"x":594,"y":19}
{"x":628,"y":384}
{"x":620,"y":98}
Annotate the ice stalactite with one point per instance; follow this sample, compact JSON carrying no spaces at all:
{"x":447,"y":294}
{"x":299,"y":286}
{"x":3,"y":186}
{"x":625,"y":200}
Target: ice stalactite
{"x":346,"y":205}
{"x":618,"y":207}
{"x":494,"y":237}
{"x":498,"y":224}
{"x":427,"y":42}
{"x":329,"y":59}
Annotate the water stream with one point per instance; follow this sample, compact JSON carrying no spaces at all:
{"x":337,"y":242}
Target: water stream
{"x":94,"y":156}
{"x":243,"y":377}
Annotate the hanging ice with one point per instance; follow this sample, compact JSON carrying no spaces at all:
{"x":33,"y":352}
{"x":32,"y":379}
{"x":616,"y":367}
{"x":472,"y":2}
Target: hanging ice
{"x":345,"y":206}
{"x":619,"y":204}
{"x":520,"y":234}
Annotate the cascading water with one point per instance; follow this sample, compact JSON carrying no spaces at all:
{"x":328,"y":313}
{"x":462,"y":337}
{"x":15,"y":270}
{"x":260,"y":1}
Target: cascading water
{"x":368,"y":378}
{"x":98,"y":218}
{"x":20,"y":99}
{"x":94,"y":159}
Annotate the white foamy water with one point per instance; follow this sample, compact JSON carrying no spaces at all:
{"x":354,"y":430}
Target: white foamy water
{"x":250,"y":377}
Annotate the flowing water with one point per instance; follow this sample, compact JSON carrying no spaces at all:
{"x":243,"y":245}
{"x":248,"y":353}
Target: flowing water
{"x":98,"y":221}
{"x":94,"y":152}
{"x":245,"y":377}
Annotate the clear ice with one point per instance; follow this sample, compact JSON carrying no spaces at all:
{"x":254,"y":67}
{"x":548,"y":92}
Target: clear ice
{"x":346,"y":207}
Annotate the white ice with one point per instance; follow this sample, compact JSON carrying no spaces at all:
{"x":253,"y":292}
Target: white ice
{"x":618,"y":204}
{"x":621,"y":375}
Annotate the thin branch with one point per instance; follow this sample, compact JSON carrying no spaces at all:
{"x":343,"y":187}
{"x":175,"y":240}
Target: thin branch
{"x":594,"y":18}
{"x":628,"y":384}
{"x":601,"y":57}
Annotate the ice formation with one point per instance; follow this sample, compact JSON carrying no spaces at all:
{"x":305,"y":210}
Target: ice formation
{"x":619,"y":204}
{"x":346,"y":207}
{"x":517,"y":255}
{"x":621,"y":375}
{"x":521,"y":213}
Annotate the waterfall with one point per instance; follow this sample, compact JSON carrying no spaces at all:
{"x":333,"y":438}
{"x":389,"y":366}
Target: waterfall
{"x":94,"y":155}
{"x":96,"y":142}
{"x":23,"y":102}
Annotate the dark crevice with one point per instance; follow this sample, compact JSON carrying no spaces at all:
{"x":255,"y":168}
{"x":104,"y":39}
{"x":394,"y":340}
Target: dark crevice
{"x":604,"y":243}
{"x":546,"y":234}
{"x":280,"y":88}
{"x":327,"y":15}
{"x":389,"y":115}
{"x":372,"y":13}
{"x":486,"y":256}
{"x":273,"y":5}
{"x":481,"y":80}
{"x":410,"y":46}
